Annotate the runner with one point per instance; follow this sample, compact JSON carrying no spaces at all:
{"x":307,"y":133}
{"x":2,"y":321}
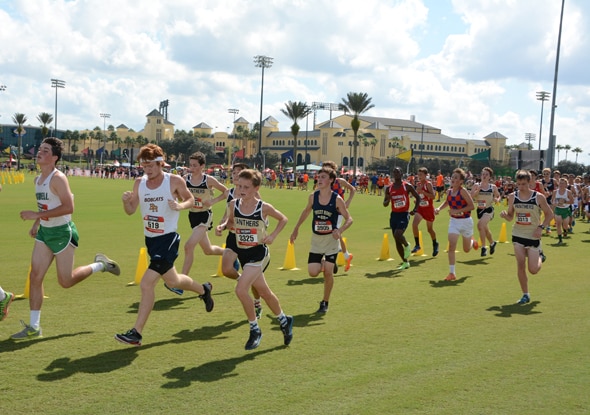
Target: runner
{"x":327,"y":206}
{"x":425,"y":211}
{"x":460,"y":206}
{"x":156,"y":194}
{"x":230,"y":265}
{"x":339,"y":186}
{"x":485,"y":194}
{"x":398,"y":193}
{"x":527,"y":205}
{"x":249,"y":216}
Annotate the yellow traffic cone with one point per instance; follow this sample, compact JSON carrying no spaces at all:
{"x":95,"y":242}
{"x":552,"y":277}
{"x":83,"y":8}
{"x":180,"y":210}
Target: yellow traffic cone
{"x":384,"y":256}
{"x":219,"y":272}
{"x":27,"y":292}
{"x":420,"y":252}
{"x":502,"y":238}
{"x":142,"y":266}
{"x":340,"y":260}
{"x":289,"y":263}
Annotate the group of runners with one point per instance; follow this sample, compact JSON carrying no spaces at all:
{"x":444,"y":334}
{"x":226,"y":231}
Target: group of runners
{"x":160,"y":196}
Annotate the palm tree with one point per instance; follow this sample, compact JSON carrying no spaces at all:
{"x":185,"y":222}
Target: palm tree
{"x":295,"y":111}
{"x":19,"y":119}
{"x":577,"y":150}
{"x":356,"y":103}
{"x":68,"y":136}
{"x":83,"y":137}
{"x":567,"y":148}
{"x":373,"y":144}
{"x":558,"y":147}
{"x":44,"y":118}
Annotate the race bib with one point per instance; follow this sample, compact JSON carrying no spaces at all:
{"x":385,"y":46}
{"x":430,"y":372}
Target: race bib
{"x":154,"y":224}
{"x":399,"y":203}
{"x":198,"y":203}
{"x":423,"y":202}
{"x":481,"y":204}
{"x":523,"y":219}
{"x":322,"y":226}
{"x":42,"y":208}
{"x":246,"y":238}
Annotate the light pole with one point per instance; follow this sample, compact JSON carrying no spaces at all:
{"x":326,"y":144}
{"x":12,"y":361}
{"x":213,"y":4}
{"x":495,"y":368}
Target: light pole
{"x":233,"y":111}
{"x":552,"y":138}
{"x":261,"y":61}
{"x":104,"y":117}
{"x":56,"y":83}
{"x":422,"y":144}
{"x":529,"y":137}
{"x":2,"y":89}
{"x":542,"y":96}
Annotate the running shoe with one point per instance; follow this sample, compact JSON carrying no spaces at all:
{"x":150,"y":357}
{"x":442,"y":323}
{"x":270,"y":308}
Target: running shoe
{"x":407,"y":251}
{"x":254,"y":339}
{"x":474,"y":244}
{"x":206,"y":297}
{"x":484,"y":251}
{"x":348,"y":261}
{"x":5,"y":305}
{"x":543,"y":257}
{"x":524,"y":299}
{"x":493,"y":248}
{"x":323,"y":307}
{"x":176,"y":291}
{"x":27,"y":332}
{"x":109,"y":265}
{"x":416,"y":249}
{"x":287,"y":330}
{"x":450,"y":277}
{"x":131,"y":337}
{"x":435,"y":249}
{"x":404,"y":265}
{"x":335,"y":269}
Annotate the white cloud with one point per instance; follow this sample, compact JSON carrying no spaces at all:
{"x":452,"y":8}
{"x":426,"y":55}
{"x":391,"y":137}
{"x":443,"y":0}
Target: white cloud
{"x":468,"y":68}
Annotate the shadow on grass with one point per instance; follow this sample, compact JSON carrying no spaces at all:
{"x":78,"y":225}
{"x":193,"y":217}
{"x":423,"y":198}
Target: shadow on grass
{"x":443,"y":283}
{"x":210,"y":371}
{"x":585,"y":241}
{"x":511,"y":309}
{"x":112,"y":360}
{"x":311,"y":280}
{"x":391,"y":273}
{"x":165,"y":304}
{"x":10,"y":345}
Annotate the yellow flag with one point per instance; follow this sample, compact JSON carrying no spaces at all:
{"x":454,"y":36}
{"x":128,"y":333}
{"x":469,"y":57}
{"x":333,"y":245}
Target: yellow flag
{"x":7,"y":150}
{"x":405,"y":156}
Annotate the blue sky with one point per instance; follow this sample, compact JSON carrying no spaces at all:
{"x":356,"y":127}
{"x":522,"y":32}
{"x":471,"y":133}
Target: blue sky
{"x":468,"y":67}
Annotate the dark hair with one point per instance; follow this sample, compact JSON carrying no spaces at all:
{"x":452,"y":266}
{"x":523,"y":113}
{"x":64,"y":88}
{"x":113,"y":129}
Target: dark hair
{"x":57,"y":146}
{"x":200,"y":157}
{"x":523,"y":174}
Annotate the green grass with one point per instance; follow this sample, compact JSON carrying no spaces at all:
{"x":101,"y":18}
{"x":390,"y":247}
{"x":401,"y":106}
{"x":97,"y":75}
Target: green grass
{"x":392,"y":342}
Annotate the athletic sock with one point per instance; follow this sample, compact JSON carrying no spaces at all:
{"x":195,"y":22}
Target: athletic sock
{"x":254,"y":325}
{"x":2,"y":294}
{"x":452,"y":269}
{"x":346,"y":255}
{"x":97,"y":266}
{"x":35,"y":319}
{"x":282,"y":319}
{"x":417,"y":240}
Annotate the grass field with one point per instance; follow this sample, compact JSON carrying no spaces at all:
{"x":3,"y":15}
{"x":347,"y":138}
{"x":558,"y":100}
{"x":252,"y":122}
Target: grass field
{"x":393,"y":342}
